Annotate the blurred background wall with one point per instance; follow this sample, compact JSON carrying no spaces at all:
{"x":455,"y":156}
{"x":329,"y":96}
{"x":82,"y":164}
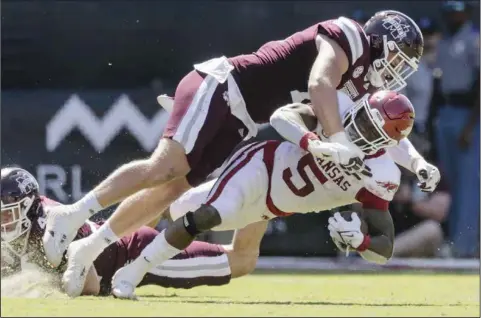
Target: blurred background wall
{"x":80,"y":78}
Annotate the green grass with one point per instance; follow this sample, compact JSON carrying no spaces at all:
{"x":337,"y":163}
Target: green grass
{"x":281,"y":295}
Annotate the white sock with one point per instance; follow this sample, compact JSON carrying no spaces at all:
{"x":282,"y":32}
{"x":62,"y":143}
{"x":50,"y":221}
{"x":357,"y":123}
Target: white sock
{"x":158,"y":251}
{"x":88,"y":205}
{"x":100,"y":240}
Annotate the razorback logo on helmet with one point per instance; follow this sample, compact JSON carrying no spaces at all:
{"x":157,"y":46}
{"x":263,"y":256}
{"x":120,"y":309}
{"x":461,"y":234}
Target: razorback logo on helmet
{"x":394,"y":25}
{"x":389,"y":186}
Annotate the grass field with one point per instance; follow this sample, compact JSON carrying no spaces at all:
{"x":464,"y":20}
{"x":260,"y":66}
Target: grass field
{"x":281,"y":295}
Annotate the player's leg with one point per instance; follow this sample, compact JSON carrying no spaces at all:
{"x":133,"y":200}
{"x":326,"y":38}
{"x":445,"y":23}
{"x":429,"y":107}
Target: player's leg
{"x":207,"y":264}
{"x":201,"y":263}
{"x":235,"y":189}
{"x":243,"y":253}
{"x":199,"y":112}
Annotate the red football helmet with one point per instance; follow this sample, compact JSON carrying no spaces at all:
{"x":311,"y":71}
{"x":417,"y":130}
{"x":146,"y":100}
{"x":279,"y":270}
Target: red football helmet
{"x":379,"y":121}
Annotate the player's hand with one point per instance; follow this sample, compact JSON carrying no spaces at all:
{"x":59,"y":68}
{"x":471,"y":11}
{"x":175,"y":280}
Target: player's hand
{"x":326,"y":150}
{"x":428,"y":175}
{"x":346,"y":232}
{"x":351,"y":159}
{"x":340,"y":245}
{"x":335,"y":152}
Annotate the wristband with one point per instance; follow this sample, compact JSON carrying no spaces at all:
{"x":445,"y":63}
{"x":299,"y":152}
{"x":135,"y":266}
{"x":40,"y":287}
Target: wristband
{"x":365,"y":244}
{"x":304,"y":142}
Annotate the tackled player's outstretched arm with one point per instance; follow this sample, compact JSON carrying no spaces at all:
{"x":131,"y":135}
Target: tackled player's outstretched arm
{"x":405,"y":154}
{"x":293,"y":121}
{"x":326,"y":74}
{"x":381,"y":231}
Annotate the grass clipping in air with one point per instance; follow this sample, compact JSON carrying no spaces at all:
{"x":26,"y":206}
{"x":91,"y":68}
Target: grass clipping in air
{"x":31,"y":282}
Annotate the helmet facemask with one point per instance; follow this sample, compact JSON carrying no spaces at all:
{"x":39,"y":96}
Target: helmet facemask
{"x":394,"y":66}
{"x":363,"y":125}
{"x":15,"y":225}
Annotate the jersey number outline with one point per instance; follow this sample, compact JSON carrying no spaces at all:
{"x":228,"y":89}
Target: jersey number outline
{"x":306,"y":161}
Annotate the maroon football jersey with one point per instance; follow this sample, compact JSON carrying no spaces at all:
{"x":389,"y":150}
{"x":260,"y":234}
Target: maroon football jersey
{"x":279,"y":70}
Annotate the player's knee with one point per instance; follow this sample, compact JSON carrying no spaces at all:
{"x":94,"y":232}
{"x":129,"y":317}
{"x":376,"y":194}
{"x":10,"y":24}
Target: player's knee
{"x":203,"y":219}
{"x":207,"y":217}
{"x":166,"y":163}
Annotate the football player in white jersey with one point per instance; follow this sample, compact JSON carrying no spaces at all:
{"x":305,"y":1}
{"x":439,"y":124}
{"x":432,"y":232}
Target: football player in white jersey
{"x":263,"y":180}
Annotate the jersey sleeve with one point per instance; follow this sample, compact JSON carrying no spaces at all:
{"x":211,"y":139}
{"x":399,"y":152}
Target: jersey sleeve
{"x":348,"y":34}
{"x":380,"y":189}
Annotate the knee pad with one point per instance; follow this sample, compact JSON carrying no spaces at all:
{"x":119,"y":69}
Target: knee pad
{"x":190,"y":225}
{"x":203,"y":219}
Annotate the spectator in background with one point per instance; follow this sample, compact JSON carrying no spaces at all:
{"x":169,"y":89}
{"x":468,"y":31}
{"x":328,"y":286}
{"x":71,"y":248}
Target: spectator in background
{"x":457,"y":126}
{"x":417,"y":219}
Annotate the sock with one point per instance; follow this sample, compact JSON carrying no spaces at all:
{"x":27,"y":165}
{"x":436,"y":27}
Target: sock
{"x":158,"y":251}
{"x":200,"y":264}
{"x":88,"y":205}
{"x":100,"y":240}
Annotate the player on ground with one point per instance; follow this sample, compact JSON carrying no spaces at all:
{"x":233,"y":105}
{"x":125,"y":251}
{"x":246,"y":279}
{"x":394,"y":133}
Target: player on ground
{"x":264,"y":180}
{"x":218,"y":104}
{"x":23,"y":224}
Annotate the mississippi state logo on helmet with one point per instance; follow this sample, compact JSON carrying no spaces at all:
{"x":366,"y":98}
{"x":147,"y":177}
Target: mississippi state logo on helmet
{"x":20,"y":200}
{"x":379,"y":121}
{"x":397,"y":46}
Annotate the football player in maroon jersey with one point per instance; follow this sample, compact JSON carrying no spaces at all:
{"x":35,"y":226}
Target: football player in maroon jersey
{"x":23,"y":213}
{"x":219,"y":103}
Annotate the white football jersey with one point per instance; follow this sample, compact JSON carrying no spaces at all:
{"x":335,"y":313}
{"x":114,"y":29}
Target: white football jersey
{"x":266,"y":179}
{"x":302,"y":183}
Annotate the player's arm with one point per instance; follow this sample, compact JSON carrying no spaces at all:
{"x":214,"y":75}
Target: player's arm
{"x":381,"y":232}
{"x":326,"y":74}
{"x":376,"y":245}
{"x":295,"y":123}
{"x":406,"y":155}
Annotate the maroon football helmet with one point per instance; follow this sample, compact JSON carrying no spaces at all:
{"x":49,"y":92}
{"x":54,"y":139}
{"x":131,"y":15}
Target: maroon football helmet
{"x":20,"y":201}
{"x":379,"y":121}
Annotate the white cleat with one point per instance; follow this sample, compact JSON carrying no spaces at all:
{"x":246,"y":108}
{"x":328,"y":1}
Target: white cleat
{"x":60,"y":231}
{"x":126,"y":279}
{"x":78,"y":265}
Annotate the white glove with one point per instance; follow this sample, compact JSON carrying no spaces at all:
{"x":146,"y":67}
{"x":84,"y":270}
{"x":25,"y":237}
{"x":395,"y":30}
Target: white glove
{"x":326,"y":150}
{"x":428,"y":175}
{"x":342,"y":152}
{"x":341,"y":246}
{"x":350,"y":150}
{"x":346,"y":232}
